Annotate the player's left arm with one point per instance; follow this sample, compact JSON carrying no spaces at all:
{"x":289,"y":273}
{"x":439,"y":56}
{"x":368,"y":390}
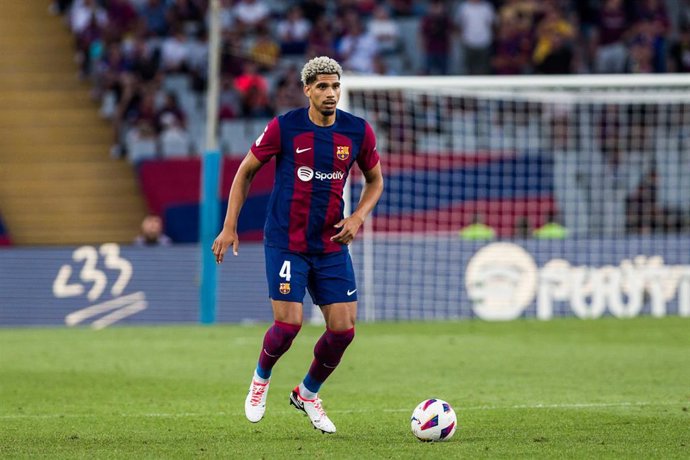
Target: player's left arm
{"x":373,"y":188}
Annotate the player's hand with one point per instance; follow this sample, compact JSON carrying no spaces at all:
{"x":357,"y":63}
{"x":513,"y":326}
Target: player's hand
{"x":223,"y":241}
{"x":348,"y":229}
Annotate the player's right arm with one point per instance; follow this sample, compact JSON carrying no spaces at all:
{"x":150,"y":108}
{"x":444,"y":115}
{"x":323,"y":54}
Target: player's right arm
{"x":266,"y":146}
{"x":238,"y":195}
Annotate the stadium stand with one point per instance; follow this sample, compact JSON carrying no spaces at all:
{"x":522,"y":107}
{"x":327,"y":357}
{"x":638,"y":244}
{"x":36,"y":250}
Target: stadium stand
{"x":147,"y":61}
{"x":58,"y":184}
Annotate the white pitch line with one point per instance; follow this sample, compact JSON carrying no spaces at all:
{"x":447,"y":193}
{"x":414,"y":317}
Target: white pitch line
{"x":460,"y":409}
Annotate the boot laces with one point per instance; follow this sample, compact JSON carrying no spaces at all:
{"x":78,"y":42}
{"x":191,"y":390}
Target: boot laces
{"x":258,"y":391}
{"x":319,"y":407}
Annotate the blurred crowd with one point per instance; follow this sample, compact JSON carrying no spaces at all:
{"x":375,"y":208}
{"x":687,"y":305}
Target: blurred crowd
{"x":148,"y":58}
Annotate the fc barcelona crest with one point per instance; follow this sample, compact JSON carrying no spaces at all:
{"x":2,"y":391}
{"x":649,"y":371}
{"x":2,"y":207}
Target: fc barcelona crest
{"x":342,"y":152}
{"x":284,"y":288}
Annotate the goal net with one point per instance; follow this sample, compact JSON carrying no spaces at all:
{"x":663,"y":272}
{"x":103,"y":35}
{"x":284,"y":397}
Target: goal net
{"x":526,"y":196}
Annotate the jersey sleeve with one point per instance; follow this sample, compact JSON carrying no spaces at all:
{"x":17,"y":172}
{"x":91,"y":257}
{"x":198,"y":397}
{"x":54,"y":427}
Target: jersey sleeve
{"x":267,"y":145}
{"x":368,"y":156}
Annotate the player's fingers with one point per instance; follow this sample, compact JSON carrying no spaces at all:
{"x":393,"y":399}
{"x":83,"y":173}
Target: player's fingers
{"x":221,"y":250}
{"x":235,"y":246}
{"x":338,"y":236}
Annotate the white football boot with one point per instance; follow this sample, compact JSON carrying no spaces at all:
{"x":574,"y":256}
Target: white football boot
{"x":314,"y":410}
{"x":255,"y":404}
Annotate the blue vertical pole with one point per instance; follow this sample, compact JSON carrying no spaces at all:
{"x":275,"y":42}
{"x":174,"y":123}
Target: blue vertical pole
{"x":210,"y":176}
{"x":209,"y":226}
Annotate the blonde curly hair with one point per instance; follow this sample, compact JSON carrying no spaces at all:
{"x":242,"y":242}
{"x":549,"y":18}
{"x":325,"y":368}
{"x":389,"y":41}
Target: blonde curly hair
{"x":322,"y":65}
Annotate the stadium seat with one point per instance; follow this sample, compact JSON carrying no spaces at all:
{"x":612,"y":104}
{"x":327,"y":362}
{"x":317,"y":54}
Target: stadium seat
{"x":233,"y":135}
{"x":175,"y":145}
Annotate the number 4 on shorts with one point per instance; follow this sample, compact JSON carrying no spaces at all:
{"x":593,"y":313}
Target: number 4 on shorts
{"x":285,"y":271}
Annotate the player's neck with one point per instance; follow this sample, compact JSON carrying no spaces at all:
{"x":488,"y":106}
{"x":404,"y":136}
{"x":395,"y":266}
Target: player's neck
{"x":320,"y":119}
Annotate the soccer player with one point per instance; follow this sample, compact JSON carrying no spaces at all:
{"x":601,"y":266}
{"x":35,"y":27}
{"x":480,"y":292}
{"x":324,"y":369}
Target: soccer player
{"x":306,"y":234}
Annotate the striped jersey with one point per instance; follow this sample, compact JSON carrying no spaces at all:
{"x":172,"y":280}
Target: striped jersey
{"x":312,"y":164}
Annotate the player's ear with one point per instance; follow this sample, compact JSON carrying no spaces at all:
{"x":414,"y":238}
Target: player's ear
{"x":306,"y":89}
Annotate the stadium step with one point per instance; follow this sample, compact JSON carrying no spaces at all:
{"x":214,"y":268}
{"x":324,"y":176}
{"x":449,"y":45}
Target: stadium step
{"x":97,"y":170}
{"x":58,"y":183}
{"x":35,"y":81}
{"x":72,"y":116}
{"x":45,"y":99}
{"x":39,"y":135}
{"x":56,"y":152}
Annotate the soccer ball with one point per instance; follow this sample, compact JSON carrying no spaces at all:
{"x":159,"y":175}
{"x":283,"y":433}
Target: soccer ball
{"x":433,"y":420}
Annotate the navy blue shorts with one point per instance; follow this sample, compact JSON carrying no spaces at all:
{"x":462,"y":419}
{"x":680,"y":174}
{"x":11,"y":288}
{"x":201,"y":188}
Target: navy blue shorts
{"x":330,"y":278}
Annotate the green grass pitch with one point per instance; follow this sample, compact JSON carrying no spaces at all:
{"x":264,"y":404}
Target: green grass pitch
{"x":525,"y":389}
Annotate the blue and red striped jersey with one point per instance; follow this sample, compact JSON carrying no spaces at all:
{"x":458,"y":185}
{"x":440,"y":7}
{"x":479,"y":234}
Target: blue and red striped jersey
{"x":312,"y":164}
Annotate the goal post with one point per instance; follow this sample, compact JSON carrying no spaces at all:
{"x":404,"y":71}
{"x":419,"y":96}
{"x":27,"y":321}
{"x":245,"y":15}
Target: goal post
{"x":527,"y":196}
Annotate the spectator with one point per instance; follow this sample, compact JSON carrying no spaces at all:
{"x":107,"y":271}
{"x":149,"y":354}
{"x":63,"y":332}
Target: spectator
{"x":380,"y":66}
{"x":232,"y":53}
{"x":435,"y":31}
{"x":175,"y":141}
{"x":187,"y":14}
{"x":256,"y":104}
{"x":684,"y":19}
{"x":520,"y":12}
{"x":680,"y":52}
{"x":122,"y":18}
{"x":152,"y":233}
{"x":155,"y":18}
{"x":553,"y":52}
{"x":364,"y":8}
{"x":83,"y":13}
{"x":314,"y":9}
{"x":321,"y":38}
{"x":145,"y":61}
{"x":289,"y":93}
{"x":293,"y":32}
{"x":170,"y":106}
{"x":475,"y":20}
{"x":230,"y":104}
{"x":652,"y":16}
{"x":60,"y":6}
{"x":227,"y":15}
{"x":512,"y":49}
{"x":87,"y":21}
{"x":385,"y":31}
{"x":175,"y":52}
{"x":143,"y":107}
{"x":110,"y":69}
{"x":608,"y":39}
{"x":254,"y":91}
{"x":640,"y":56}
{"x":357,"y":47}
{"x":141,"y":142}
{"x":265,"y":50}
{"x":403,"y":8}
{"x":250,"y":14}
{"x":197,"y":60}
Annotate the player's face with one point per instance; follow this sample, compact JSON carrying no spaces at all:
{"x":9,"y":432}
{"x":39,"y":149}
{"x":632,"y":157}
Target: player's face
{"x":324,"y":93}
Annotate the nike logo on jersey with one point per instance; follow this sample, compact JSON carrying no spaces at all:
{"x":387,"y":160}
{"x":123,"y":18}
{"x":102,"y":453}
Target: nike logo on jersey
{"x":299,"y":150}
{"x":349,"y":293}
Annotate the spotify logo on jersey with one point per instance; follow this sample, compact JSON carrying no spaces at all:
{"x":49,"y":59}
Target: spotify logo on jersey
{"x":305,"y":173}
